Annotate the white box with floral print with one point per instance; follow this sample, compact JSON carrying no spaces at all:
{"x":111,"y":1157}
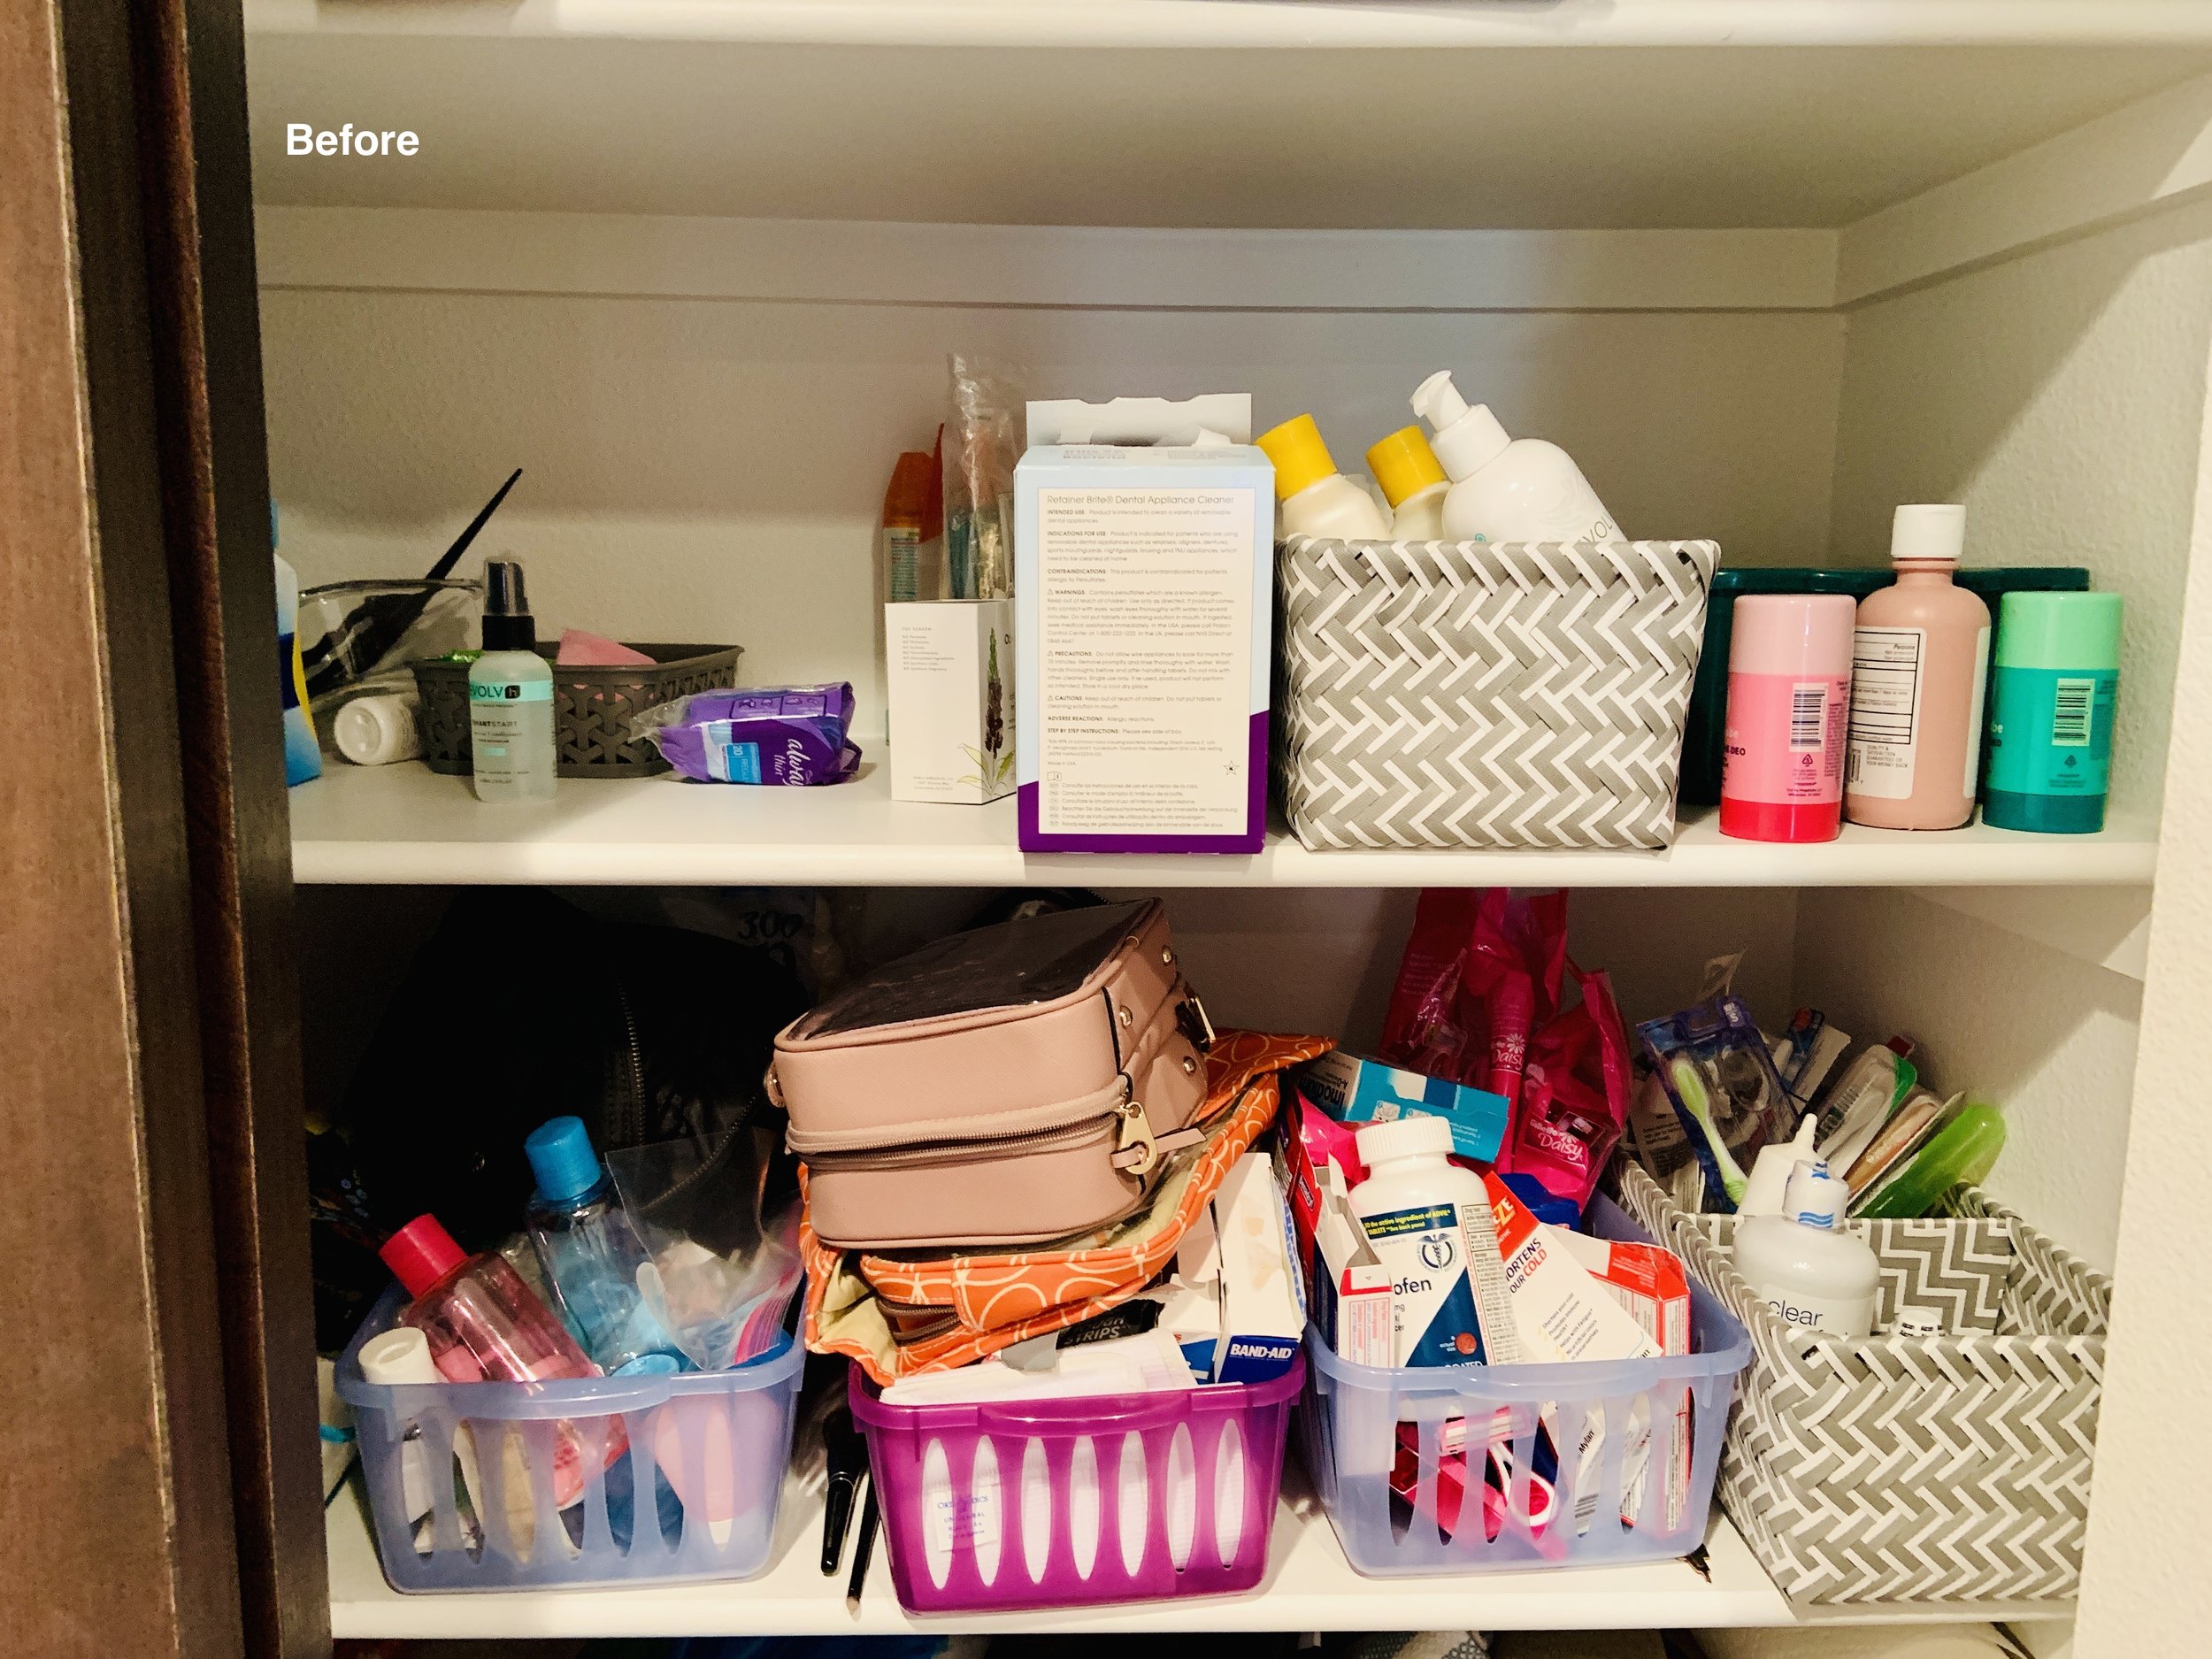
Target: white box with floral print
{"x":951,"y":663}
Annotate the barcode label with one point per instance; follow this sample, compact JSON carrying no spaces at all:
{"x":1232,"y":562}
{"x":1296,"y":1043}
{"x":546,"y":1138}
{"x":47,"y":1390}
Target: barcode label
{"x":1808,"y":715}
{"x":2070,"y":713}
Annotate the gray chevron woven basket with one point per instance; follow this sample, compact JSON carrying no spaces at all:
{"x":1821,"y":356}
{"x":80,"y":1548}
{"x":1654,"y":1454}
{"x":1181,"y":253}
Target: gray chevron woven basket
{"x":1459,"y":694}
{"x":1912,"y":1470}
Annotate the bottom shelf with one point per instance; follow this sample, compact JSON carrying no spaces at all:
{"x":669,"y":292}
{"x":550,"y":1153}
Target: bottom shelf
{"x":1310,"y":1586}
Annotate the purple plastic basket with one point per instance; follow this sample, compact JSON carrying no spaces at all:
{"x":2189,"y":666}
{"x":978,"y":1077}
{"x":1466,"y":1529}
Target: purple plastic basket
{"x":1077,"y":1502}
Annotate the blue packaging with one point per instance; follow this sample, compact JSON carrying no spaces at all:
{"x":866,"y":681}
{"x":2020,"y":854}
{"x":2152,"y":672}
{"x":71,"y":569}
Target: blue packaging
{"x":1356,"y":1090}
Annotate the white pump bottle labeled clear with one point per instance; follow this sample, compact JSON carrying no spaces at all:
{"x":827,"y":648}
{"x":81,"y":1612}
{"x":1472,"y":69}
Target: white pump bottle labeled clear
{"x":1505,"y":488}
{"x":1804,"y":1265}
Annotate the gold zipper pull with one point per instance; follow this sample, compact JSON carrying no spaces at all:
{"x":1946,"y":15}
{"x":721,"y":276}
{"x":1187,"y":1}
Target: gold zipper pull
{"x":1136,"y":1131}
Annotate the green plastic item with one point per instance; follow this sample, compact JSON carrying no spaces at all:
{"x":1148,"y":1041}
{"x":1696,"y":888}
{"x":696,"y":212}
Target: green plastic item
{"x":1964,"y":1149}
{"x":1704,"y":730}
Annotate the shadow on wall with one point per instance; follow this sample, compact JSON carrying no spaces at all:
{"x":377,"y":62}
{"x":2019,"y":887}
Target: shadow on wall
{"x":2061,"y":397}
{"x":2050,"y":1038}
{"x":386,"y":407}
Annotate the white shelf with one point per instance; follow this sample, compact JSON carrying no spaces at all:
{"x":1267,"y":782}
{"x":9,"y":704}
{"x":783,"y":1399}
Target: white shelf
{"x":1310,"y":1585}
{"x":407,"y":825}
{"x":1261,"y":23}
{"x":1622,"y":114}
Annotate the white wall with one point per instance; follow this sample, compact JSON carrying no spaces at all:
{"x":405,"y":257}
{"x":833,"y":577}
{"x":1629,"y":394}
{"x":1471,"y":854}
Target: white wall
{"x":2046,"y":1036}
{"x":711,"y":468}
{"x":2060,"y":396}
{"x":2144,"y":1590}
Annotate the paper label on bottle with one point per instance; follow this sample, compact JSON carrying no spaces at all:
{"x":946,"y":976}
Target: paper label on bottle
{"x":901,"y":557}
{"x":1426,"y":1251}
{"x":1784,"y":739}
{"x":1887,"y":670}
{"x":1145,"y":660}
{"x":2051,"y":732}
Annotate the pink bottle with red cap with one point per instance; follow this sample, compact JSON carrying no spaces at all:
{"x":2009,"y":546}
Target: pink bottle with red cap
{"x":1789,"y":711}
{"x":484,"y":1325}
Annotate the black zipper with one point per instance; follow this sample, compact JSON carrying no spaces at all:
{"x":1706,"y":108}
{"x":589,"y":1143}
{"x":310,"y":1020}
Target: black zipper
{"x":628,"y":1129}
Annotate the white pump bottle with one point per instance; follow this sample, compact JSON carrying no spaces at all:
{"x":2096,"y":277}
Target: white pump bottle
{"x":1503,"y":488}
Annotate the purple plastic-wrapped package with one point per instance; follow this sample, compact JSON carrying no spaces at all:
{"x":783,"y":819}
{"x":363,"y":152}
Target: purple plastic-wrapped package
{"x":786,"y":734}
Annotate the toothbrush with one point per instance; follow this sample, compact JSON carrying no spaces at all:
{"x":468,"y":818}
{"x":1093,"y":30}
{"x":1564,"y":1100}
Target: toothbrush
{"x":1689,"y":1088}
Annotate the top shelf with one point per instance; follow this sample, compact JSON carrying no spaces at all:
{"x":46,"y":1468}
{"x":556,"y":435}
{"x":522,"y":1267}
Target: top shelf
{"x":1253,"y":114}
{"x":407,"y":825}
{"x":1254,"y":23}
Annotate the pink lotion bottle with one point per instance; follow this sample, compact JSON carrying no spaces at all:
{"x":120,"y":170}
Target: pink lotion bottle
{"x":1919,"y":662}
{"x":484,"y":1325}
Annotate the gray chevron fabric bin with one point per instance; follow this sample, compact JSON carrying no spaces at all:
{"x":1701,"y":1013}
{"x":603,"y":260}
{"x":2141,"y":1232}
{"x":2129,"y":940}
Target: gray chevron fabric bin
{"x":1461,"y":694}
{"x":1907,"y":1472}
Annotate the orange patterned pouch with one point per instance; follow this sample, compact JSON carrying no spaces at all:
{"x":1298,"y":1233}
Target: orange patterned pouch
{"x":900,"y":1315}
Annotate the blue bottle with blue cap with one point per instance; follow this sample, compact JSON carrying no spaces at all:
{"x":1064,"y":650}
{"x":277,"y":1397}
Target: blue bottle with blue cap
{"x":591,"y":1254}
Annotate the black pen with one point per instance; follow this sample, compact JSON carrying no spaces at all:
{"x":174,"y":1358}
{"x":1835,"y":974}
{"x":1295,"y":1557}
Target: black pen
{"x":863,"y":1548}
{"x":848,"y":1455}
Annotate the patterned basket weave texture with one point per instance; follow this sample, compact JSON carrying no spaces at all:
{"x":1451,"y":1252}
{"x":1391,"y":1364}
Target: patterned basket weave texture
{"x":1459,"y":694}
{"x":592,"y":708}
{"x":1902,"y":1470}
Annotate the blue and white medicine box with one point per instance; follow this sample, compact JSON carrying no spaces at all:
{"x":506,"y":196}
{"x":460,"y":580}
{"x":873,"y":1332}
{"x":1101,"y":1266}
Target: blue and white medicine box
{"x":1354,"y":1090}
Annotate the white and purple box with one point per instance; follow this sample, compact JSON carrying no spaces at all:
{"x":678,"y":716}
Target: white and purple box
{"x":1144,"y":590}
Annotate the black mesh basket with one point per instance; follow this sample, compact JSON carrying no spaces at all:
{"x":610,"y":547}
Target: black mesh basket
{"x":592,"y":708}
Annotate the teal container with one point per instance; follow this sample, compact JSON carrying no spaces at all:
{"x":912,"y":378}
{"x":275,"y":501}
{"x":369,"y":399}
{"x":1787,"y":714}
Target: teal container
{"x":2055,"y":686}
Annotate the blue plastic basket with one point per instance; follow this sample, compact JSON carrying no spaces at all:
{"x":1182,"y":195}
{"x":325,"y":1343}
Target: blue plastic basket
{"x":711,"y":1447}
{"x":1348,"y":1426}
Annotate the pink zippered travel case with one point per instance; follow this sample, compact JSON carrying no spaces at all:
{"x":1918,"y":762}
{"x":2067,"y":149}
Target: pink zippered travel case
{"x":1007,"y":1085}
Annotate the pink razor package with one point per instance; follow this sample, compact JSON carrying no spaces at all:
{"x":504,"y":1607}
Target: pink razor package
{"x":1450,"y":1488}
{"x":1482,"y":998}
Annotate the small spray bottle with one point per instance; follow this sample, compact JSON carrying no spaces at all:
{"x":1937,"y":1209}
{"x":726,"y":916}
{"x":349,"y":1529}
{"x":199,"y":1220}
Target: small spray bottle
{"x":510,"y":696}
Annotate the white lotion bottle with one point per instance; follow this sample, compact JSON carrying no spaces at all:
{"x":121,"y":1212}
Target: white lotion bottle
{"x":1505,"y":488}
{"x":1804,"y":1265}
{"x":1430,"y":1221}
{"x":510,"y":696}
{"x":1318,"y":500}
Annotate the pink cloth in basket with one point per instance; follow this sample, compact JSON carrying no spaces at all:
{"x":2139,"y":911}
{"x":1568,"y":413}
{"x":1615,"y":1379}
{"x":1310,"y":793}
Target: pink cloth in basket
{"x":582,"y":648}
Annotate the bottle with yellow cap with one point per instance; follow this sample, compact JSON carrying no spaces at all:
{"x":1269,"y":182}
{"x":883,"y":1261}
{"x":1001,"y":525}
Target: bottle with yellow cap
{"x":1318,"y":500}
{"x":1413,"y":481}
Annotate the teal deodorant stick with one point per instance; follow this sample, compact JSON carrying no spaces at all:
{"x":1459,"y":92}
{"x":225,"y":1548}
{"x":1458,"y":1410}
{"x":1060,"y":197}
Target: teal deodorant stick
{"x":2050,"y":727}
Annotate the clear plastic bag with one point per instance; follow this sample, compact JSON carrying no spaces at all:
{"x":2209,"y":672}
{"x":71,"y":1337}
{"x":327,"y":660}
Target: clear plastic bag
{"x":984,"y":443}
{"x":723,"y":1275}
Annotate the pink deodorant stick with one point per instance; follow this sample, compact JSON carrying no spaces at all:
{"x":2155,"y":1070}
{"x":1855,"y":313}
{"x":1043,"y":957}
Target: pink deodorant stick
{"x":1789,"y":712}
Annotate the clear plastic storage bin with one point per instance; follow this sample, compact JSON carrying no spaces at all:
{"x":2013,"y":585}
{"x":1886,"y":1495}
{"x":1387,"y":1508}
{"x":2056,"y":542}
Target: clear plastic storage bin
{"x":1077,"y":1502}
{"x":1485,"y":1419}
{"x":711,"y":1447}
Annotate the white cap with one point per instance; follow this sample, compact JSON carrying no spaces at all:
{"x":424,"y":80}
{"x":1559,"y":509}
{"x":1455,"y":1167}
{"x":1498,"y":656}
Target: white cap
{"x":1466,"y":438}
{"x":1768,"y":1185}
{"x":1917,"y":1322}
{"x":376,"y":730}
{"x":1928,"y":532}
{"x":1816,"y":1198}
{"x":1412,"y":1137}
{"x":399,"y":1356}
